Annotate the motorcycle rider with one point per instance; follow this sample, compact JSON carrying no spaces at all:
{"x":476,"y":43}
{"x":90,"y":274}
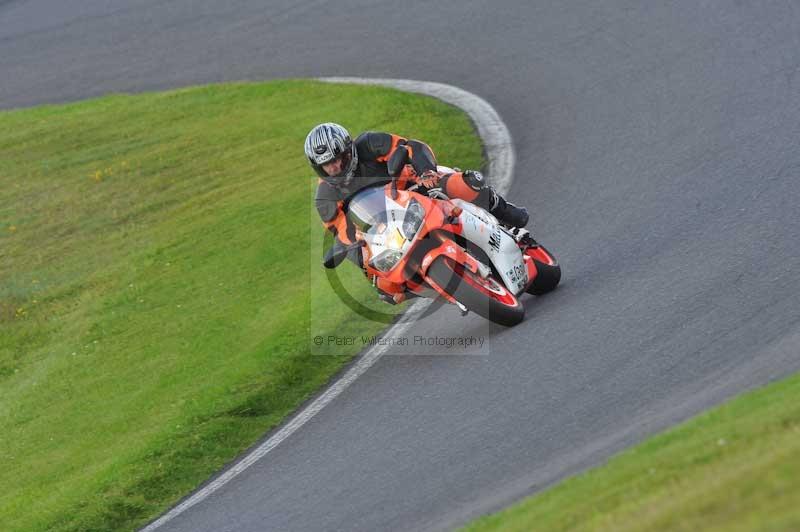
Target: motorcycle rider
{"x":345,"y":166}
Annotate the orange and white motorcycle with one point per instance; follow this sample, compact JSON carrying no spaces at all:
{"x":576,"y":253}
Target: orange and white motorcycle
{"x":433,"y":246}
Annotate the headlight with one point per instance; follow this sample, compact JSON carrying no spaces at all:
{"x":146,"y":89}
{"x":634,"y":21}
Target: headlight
{"x":387,"y":259}
{"x":413,"y":218}
{"x":394,"y":240}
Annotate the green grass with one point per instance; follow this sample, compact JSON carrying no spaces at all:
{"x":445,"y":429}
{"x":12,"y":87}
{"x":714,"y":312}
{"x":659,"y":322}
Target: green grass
{"x":155,"y":267}
{"x":733,"y":468}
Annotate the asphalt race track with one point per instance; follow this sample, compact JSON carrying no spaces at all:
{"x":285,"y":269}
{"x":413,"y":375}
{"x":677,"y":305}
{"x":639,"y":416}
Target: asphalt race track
{"x":657,"y":147}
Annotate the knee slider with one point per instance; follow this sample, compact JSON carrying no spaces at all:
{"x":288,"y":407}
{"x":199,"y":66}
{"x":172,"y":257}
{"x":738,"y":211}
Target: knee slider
{"x":474,"y":180}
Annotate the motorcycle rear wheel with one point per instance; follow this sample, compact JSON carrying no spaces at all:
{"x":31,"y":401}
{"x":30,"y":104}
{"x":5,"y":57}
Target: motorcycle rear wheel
{"x":548,"y":271}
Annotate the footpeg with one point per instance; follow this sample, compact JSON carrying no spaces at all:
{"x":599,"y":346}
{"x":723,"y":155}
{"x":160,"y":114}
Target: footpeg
{"x":524,"y":237}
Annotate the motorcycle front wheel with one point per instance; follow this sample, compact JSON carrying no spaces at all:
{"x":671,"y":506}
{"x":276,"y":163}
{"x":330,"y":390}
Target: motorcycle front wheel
{"x":484,"y":296}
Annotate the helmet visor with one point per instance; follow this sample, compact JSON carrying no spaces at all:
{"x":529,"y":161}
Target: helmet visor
{"x":336,"y":170}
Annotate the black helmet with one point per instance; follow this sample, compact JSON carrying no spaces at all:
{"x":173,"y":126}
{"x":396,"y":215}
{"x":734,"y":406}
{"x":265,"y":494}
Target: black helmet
{"x":325,"y":143}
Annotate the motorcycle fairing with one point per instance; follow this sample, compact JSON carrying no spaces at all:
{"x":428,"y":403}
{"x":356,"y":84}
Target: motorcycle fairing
{"x":483,"y":229}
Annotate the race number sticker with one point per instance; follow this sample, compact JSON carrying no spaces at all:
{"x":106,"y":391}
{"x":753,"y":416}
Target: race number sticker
{"x":518,"y":275}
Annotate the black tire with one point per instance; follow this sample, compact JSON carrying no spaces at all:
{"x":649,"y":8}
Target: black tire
{"x":443,"y":271}
{"x":547,"y":278}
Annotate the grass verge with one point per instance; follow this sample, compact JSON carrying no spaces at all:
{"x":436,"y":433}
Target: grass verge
{"x":154,"y":304}
{"x":733,"y":468}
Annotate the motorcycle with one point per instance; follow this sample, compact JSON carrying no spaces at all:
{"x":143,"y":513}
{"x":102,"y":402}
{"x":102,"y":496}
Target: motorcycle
{"x":433,"y":246}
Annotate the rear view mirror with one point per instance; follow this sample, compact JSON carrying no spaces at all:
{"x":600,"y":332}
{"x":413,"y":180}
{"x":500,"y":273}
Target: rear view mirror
{"x":337,"y":253}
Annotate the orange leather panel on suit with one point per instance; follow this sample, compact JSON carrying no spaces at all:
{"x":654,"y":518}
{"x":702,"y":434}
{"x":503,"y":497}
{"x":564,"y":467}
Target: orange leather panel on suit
{"x":457,"y":188}
{"x":340,"y":224}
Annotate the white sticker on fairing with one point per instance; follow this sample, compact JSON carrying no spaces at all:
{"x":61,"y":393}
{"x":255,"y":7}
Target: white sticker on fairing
{"x":518,"y":275}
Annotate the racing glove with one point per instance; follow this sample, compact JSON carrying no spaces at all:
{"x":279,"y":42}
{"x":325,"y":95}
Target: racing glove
{"x":429,"y":179}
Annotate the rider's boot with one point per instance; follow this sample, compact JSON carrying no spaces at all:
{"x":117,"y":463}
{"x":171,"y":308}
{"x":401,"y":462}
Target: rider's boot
{"x":508,"y":213}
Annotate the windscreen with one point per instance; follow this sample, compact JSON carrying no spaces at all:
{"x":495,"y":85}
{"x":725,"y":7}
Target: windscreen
{"x":367,"y":208}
